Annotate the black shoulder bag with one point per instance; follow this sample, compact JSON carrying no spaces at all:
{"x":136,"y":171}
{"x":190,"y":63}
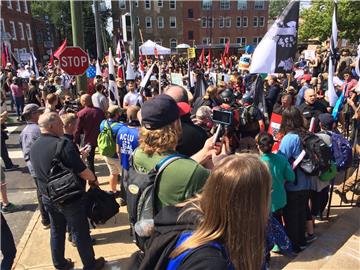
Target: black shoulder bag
{"x":63,"y":184}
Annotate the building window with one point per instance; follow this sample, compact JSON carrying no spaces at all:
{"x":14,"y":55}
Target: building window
{"x":25,"y":7}
{"x":241,"y":4}
{"x":241,"y":41}
{"x":148,"y":22}
{"x":190,"y":13}
{"x":137,"y":21}
{"x":172,"y":4}
{"x":206,"y":4}
{"x":224,"y":4}
{"x":228,"y":22}
{"x":160,"y":3}
{"x":223,"y":40}
{"x":147,"y":4}
{"x":31,"y":49}
{"x":12,"y":30}
{"x":9,"y":4}
{"x":136,"y":3}
{"x":2,"y":26}
{"x":256,"y":40}
{"x":160,"y":22}
{"x":259,"y":5}
{"x":261,"y":21}
{"x":172,"y":22}
{"x":158,"y":42}
{"x":21,"y":27}
{"x":221,"y":22}
{"x":255,"y":21}
{"x":18,"y":8}
{"x":190,"y":35}
{"x":206,"y":40}
{"x":122,"y":4}
{"x":210,"y":22}
{"x":245,"y":22}
{"x":16,"y":53}
{"x":203,"y":22}
{"x":238,"y":22}
{"x":173,"y":43}
{"x":28,"y":32}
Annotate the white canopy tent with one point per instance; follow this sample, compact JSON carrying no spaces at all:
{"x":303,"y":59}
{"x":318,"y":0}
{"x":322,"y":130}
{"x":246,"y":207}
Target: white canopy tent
{"x":149,"y":46}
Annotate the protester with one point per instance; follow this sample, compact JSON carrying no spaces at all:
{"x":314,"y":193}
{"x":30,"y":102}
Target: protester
{"x":131,"y":98}
{"x":98,"y":99}
{"x":6,"y":205}
{"x":18,"y":95}
{"x":9,"y":165}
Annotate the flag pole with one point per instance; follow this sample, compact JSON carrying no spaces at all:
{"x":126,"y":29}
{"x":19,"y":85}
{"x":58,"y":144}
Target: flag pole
{"x":142,"y":41}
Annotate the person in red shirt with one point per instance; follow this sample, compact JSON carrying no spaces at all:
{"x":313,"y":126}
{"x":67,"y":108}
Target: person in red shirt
{"x":88,"y":126}
{"x":349,"y":82}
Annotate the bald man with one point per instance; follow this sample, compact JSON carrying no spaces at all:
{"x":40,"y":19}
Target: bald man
{"x":178,"y":93}
{"x":312,"y":108}
{"x":89,"y":126}
{"x":71,"y":212}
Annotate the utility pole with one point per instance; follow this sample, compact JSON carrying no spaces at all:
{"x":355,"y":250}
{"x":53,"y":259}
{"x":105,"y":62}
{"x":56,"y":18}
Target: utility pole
{"x":99,"y":48}
{"x":78,"y":39}
{"x":134,"y":30}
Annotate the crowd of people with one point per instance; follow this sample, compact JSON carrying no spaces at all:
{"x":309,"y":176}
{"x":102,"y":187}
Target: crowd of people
{"x":211,"y":203}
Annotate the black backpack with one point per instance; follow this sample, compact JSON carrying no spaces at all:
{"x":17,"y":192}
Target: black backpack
{"x":247,"y":117}
{"x":318,"y":156}
{"x":101,"y":205}
{"x":140,"y":197}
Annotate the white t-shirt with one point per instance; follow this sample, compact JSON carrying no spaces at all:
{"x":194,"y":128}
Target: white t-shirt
{"x":131,"y":98}
{"x":100,"y":101}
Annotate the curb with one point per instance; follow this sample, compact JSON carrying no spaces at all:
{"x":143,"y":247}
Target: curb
{"x":25,"y":238}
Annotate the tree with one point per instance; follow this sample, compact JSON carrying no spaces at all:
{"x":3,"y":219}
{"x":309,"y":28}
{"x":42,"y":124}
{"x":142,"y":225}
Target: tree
{"x":276,"y":7}
{"x":316,"y":20}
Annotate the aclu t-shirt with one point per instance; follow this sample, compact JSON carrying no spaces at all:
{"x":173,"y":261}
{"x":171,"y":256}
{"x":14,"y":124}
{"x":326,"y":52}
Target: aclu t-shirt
{"x":128,"y":140}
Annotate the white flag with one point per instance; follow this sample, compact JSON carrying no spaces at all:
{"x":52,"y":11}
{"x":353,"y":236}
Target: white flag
{"x":112,"y":88}
{"x":333,"y":97}
{"x":98,"y":68}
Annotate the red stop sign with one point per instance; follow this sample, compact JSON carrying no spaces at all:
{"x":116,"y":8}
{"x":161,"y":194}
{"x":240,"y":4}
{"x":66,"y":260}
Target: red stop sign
{"x":74,"y":60}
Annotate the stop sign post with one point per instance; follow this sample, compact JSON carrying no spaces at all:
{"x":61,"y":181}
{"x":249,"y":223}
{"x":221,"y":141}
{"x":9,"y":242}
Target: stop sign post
{"x":74,"y":60}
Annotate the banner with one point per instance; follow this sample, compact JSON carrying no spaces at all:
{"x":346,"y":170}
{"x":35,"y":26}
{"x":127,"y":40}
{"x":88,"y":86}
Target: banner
{"x":191,"y":53}
{"x":177,"y":78}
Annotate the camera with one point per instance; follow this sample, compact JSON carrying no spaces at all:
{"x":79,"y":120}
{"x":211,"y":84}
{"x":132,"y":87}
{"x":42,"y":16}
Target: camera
{"x":224,"y":117}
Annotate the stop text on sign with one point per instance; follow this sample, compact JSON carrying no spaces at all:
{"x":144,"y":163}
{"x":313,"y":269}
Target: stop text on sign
{"x":73,"y":61}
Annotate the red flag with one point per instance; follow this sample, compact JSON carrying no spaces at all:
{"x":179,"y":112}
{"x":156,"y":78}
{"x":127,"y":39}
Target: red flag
{"x":202,"y":57}
{"x":60,"y":49}
{"x":156,"y":53}
{"x":209,"y":58}
{"x":3,"y":56}
{"x":227,"y":48}
{"x":120,"y":73}
{"x":223,"y":61}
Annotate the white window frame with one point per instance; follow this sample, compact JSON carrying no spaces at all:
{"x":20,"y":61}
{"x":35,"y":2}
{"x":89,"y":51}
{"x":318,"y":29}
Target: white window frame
{"x":172,"y":2}
{"x":2,"y":26}
{"x":31,"y":49}
{"x":238,"y":21}
{"x":22,"y":33}
{"x":149,"y":4}
{"x":171,"y":41}
{"x":206,"y":4}
{"x":136,"y":3}
{"x":259,"y":5}
{"x":18,"y":7}
{"x":160,"y":3}
{"x":207,"y":40}
{"x":245,"y":19}
{"x":122,"y":4}
{"x":13,"y":33}
{"x":204,"y":22}
{"x":221,"y":22}
{"x":223,"y":39}
{"x":137,"y":21}
{"x":261,"y":21}
{"x":26,"y":10}
{"x":255,"y":21}
{"x":148,"y":19}
{"x":28,"y":31}
{"x":225,"y":4}
{"x":172,"y":19}
{"x":242,"y":41}
{"x":212,"y":20}
{"x":258,"y":39}
{"x":228,"y":22}
{"x":160,"y":19}
{"x":16,"y":52}
{"x":9,"y":5}
{"x":241,"y":4}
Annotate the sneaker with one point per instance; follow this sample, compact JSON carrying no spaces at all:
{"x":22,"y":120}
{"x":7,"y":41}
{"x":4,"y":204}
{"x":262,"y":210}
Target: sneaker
{"x":311,"y":238}
{"x":342,"y":195}
{"x":276,"y":249}
{"x":122,"y":202}
{"x":69,"y":265}
{"x":13,"y":168}
{"x":10,"y":208}
{"x":46,"y":226}
{"x":99,"y":263}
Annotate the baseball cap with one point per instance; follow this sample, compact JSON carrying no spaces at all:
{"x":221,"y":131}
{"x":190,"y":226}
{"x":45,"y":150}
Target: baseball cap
{"x":113,"y":109}
{"x":326,"y":120}
{"x":31,"y":108}
{"x":158,"y":112}
{"x":184,"y":108}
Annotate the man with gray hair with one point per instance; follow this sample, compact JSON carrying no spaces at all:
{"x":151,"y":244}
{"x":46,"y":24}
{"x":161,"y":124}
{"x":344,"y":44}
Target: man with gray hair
{"x":71,"y":212}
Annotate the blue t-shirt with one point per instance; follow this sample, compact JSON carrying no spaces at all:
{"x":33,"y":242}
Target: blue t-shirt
{"x":128,"y":140}
{"x":291,"y":148}
{"x":114,"y":128}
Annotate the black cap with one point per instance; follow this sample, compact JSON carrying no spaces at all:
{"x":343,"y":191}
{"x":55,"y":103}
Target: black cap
{"x":158,"y":112}
{"x":326,"y":120}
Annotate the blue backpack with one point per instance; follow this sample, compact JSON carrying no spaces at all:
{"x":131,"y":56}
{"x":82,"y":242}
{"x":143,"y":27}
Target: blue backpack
{"x":342,"y":151}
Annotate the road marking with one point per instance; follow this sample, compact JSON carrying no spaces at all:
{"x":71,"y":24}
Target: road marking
{"x":16,"y":154}
{"x":12,"y":129}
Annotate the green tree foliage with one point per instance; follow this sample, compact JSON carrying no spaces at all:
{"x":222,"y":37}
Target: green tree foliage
{"x":316,"y":20}
{"x":276,"y":7}
{"x":59,"y":15}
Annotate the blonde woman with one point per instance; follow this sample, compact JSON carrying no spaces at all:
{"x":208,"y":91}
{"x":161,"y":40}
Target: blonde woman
{"x":232,"y":211}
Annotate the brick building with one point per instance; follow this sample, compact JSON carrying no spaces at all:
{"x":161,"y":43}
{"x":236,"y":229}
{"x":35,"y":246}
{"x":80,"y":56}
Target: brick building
{"x":201,"y":23}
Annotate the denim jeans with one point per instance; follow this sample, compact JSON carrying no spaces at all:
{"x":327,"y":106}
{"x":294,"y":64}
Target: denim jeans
{"x":8,"y":248}
{"x":20,"y":103}
{"x":74,"y":215}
